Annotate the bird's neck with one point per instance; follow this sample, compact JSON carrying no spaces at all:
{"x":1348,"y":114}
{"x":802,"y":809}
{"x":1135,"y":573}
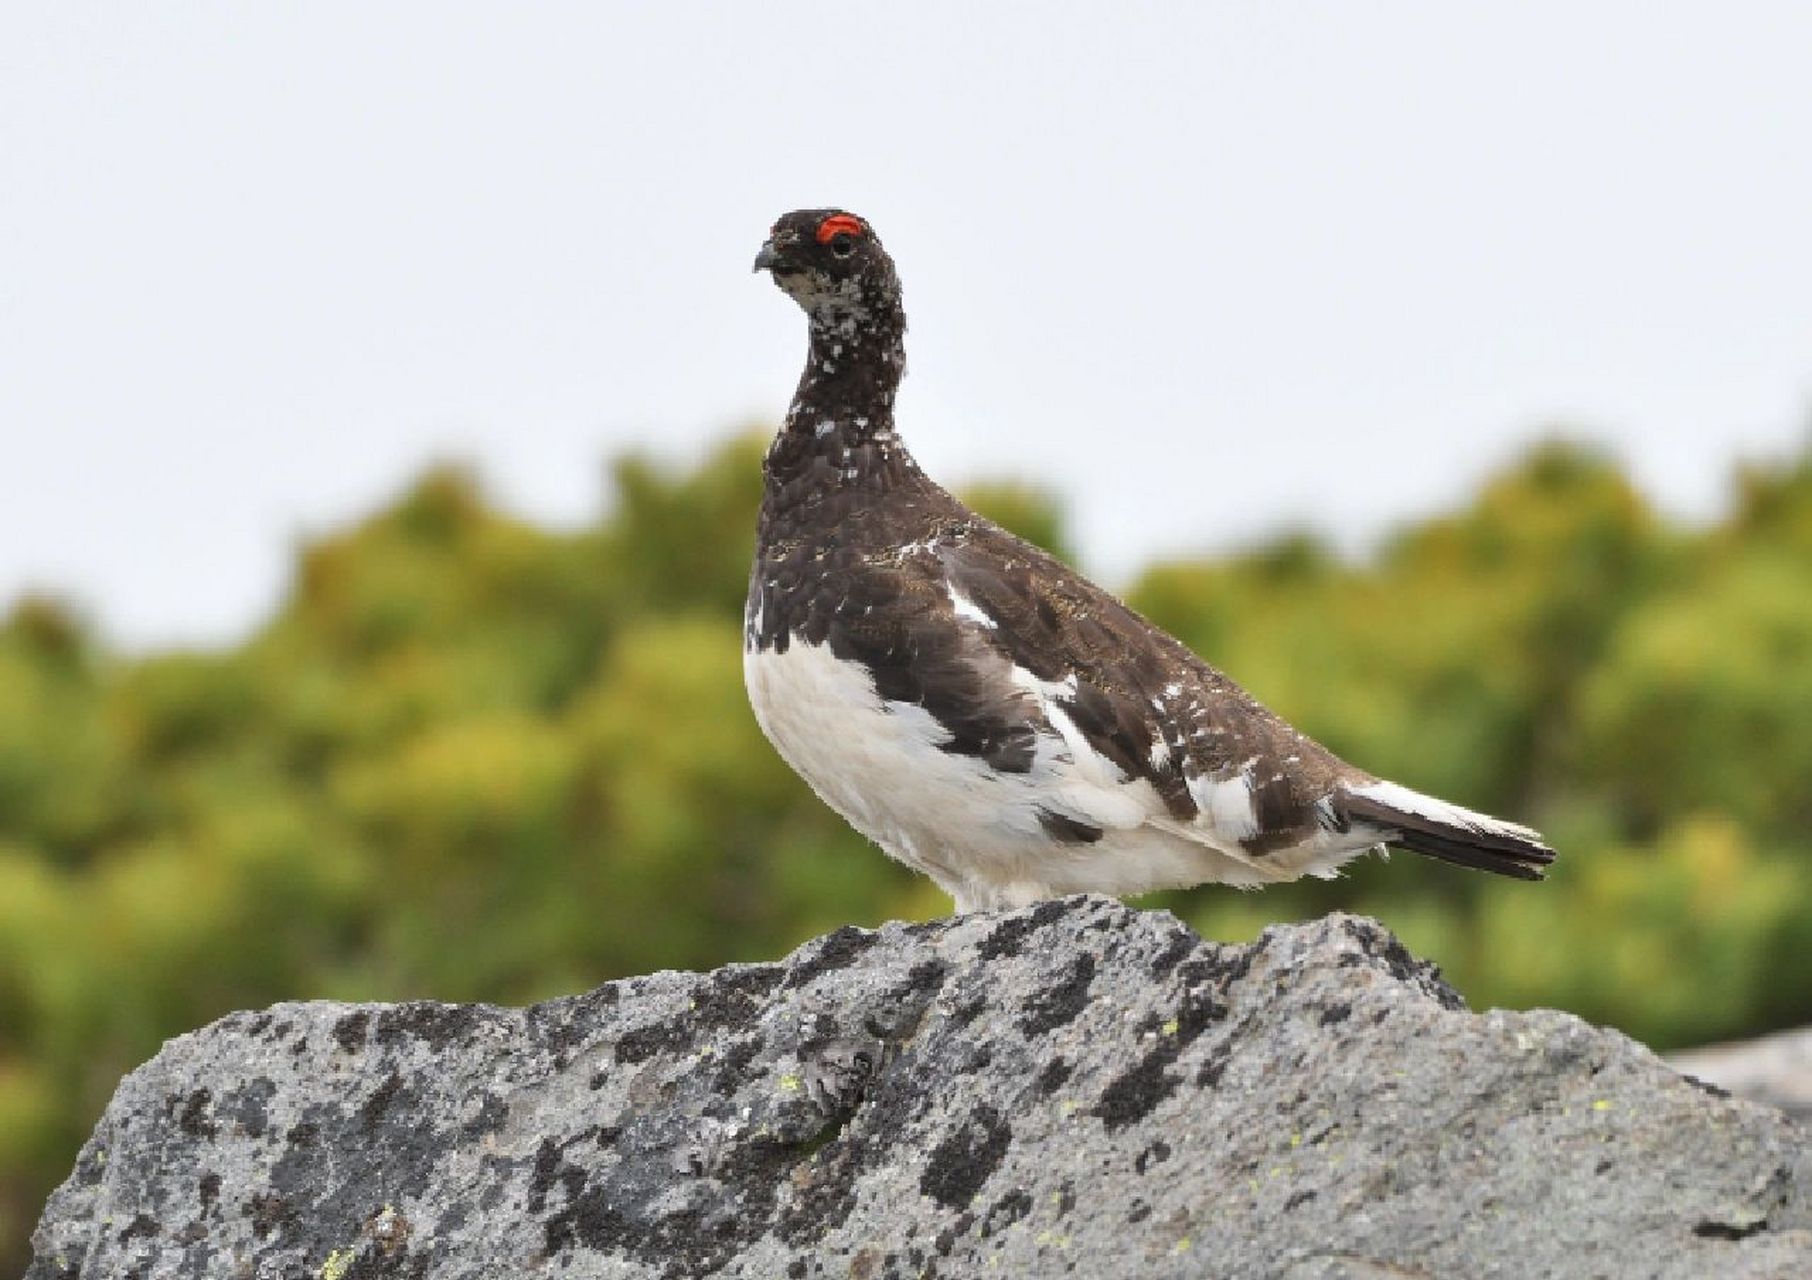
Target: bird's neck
{"x":839,"y":429}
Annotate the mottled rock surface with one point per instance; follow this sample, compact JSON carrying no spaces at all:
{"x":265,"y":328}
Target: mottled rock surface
{"x":1073,"y":1089}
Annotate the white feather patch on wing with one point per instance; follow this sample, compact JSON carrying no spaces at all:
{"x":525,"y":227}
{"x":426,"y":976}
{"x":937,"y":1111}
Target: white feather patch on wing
{"x":1226,"y":804}
{"x":1084,"y":783}
{"x":967,"y":608}
{"x":1443,"y":812}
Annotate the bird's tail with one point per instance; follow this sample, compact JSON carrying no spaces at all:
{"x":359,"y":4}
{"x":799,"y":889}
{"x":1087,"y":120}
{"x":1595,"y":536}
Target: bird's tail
{"x":1425,"y":825}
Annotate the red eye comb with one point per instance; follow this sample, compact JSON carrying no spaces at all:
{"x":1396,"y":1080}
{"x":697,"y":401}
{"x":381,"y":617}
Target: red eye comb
{"x":838,"y":224}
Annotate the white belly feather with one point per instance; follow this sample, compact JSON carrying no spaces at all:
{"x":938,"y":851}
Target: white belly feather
{"x":973,"y":829}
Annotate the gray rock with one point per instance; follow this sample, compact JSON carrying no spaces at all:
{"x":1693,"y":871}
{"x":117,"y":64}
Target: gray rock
{"x":1774,"y":1069}
{"x":1073,"y":1089}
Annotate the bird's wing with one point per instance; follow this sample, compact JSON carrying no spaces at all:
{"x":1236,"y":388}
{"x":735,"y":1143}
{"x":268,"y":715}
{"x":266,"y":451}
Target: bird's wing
{"x":1229,"y":772}
{"x":1014,"y":656}
{"x":1001,"y":643}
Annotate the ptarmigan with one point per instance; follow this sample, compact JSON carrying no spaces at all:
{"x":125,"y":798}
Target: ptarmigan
{"x":981,"y":711}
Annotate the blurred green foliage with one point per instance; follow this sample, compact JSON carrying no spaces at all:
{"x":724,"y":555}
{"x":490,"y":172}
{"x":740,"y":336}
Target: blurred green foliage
{"x":472,"y":759}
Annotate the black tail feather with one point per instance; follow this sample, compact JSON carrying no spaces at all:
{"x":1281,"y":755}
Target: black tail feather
{"x":1436,"y":829}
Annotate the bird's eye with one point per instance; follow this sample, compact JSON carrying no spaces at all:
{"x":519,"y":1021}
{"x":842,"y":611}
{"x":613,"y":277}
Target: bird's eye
{"x":843,"y":244}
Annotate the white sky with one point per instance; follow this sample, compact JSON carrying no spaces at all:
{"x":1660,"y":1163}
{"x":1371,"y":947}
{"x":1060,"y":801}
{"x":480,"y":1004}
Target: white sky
{"x":1206,"y":269}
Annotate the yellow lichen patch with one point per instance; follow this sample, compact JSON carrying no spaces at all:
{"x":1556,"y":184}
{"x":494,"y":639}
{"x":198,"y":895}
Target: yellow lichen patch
{"x":337,"y":1264}
{"x":790,"y":1083}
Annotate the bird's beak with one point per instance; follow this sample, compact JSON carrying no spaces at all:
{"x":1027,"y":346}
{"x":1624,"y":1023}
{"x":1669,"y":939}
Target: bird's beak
{"x":768,"y":258}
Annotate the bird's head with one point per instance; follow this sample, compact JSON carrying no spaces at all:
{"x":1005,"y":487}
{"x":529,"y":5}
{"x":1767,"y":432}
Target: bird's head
{"x":832,"y":264}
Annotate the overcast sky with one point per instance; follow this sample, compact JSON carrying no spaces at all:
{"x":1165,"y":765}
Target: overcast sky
{"x":1206,"y":269}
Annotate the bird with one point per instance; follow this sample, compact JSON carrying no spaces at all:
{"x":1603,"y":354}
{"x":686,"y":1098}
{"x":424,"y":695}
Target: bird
{"x":981,"y":711}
